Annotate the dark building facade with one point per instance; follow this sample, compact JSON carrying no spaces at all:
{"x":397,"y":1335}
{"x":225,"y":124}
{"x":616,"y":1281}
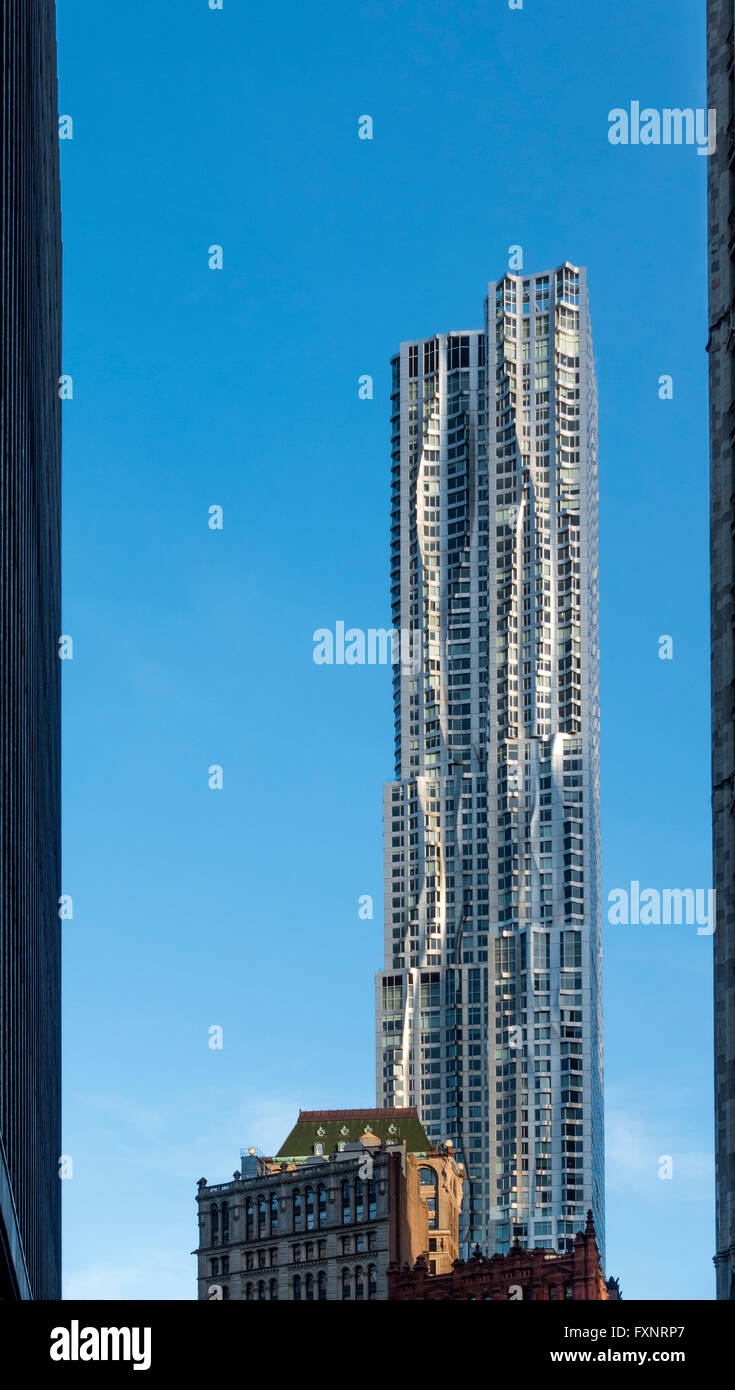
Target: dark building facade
{"x":721,"y":348}
{"x":30,"y":464}
{"x":520,"y":1275}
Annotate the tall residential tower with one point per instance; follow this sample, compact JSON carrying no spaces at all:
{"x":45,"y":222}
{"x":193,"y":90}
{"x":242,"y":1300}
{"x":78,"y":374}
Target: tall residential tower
{"x":30,"y":462}
{"x":489,"y":1005}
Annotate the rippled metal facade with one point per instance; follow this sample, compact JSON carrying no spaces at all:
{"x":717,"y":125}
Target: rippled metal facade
{"x":489,"y":1007}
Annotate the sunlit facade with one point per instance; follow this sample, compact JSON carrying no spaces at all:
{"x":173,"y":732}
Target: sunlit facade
{"x":489,"y":1004}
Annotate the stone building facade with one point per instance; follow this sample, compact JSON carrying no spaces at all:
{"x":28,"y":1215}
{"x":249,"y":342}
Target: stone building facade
{"x":349,"y":1193}
{"x":520,"y":1275}
{"x":721,"y":349}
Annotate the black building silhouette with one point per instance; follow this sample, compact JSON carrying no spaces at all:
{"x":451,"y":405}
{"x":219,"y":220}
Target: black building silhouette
{"x":30,"y":446}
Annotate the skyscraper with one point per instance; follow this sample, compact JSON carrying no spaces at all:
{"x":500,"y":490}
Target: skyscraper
{"x":721,"y":346}
{"x":30,"y":314}
{"x":489,"y":1004}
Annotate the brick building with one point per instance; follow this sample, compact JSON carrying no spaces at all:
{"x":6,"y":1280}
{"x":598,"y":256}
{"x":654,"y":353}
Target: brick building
{"x":348,"y":1192}
{"x":519,"y":1275}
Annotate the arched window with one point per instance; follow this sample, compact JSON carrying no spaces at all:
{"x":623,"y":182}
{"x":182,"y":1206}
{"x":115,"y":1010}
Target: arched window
{"x":346,"y":1203}
{"x":296,"y":1204}
{"x":429,"y":1180}
{"x":274,"y":1290}
{"x":372,"y":1203}
{"x":322,"y":1204}
{"x":261,"y":1290}
{"x":310,"y":1288}
{"x":225,"y":1215}
{"x":322,"y":1283}
{"x":359,"y":1282}
{"x":225,"y":1292}
{"x":249,"y":1227}
{"x":262,"y":1212}
{"x":359,"y":1200}
{"x":214,"y":1219}
{"x":309,"y":1208}
{"x":274,"y":1214}
{"x":249,"y":1293}
{"x":346,"y":1283}
{"x":297,"y":1288}
{"x":372,"y":1281}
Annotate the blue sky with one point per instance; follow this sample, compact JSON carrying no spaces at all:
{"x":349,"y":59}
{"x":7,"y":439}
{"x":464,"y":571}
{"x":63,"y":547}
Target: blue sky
{"x":239,"y":908}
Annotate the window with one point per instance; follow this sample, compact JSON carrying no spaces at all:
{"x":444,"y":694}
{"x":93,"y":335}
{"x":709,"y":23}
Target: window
{"x":214,"y":1222}
{"x":359,"y":1200}
{"x":249,"y":1293}
{"x":309,"y":1208}
{"x":372,"y":1281}
{"x":296,"y":1204}
{"x":214,"y":1267}
{"x":225,"y":1219}
{"x":249,"y":1229}
{"x":372,"y":1203}
{"x":261,"y":1290}
{"x":310,"y":1288}
{"x":274,"y":1290}
{"x":346,"y":1283}
{"x":322,"y":1205}
{"x":429,"y":1191}
{"x":262,"y":1213}
{"x":359,"y":1282}
{"x":322,"y":1286}
{"x":274,"y":1214}
{"x":346,"y":1204}
{"x":297,"y":1288}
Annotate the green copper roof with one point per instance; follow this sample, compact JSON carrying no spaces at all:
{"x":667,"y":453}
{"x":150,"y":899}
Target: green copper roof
{"x":330,"y":1128}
